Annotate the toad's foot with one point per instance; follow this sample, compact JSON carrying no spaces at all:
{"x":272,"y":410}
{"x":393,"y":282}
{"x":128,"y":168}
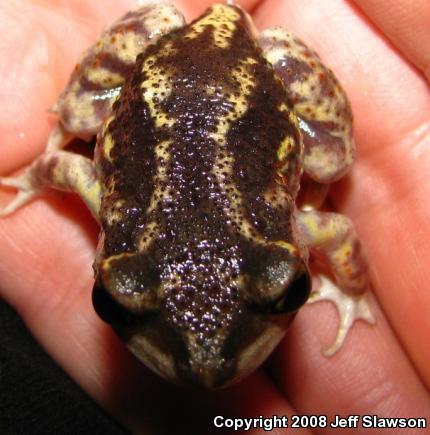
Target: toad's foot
{"x":350,"y":308}
{"x":26,"y":191}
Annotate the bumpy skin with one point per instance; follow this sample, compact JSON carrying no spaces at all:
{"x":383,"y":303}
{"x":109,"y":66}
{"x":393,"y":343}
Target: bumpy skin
{"x":207,"y":246}
{"x":202,"y":261}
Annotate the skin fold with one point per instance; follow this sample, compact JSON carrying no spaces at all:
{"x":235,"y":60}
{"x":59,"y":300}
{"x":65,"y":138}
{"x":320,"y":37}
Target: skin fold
{"x":47,"y":248}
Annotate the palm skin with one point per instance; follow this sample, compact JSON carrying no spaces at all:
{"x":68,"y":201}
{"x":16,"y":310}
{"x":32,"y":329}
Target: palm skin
{"x":47,"y":248}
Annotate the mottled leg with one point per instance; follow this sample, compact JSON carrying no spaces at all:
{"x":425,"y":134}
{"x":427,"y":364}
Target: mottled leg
{"x":99,"y":75}
{"x":332,"y":235}
{"x":321,"y":105}
{"x":60,"y":170}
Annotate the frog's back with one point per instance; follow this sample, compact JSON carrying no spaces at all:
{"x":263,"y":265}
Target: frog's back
{"x":199,"y":163}
{"x":197,"y":132}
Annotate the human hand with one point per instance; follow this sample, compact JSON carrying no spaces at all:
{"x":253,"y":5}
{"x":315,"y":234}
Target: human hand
{"x":47,"y":248}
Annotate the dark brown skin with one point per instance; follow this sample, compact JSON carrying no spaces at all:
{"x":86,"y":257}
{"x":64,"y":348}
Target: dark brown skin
{"x":390,"y":102}
{"x":195,"y":239}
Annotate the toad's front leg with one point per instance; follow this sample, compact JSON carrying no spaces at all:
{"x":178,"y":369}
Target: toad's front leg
{"x":332,"y":235}
{"x":60,"y":170}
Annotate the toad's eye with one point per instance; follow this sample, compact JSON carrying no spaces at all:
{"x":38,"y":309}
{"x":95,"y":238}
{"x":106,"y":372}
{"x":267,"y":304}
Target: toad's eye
{"x":277,"y":283}
{"x":295,"y":293}
{"x":108,"y":309}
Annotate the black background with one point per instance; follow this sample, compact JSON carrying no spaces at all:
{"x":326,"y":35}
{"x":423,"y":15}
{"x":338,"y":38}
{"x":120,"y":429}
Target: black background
{"x":36,"y":396}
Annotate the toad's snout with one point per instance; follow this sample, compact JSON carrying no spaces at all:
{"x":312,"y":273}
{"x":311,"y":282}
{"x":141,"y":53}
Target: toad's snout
{"x":207,"y":376}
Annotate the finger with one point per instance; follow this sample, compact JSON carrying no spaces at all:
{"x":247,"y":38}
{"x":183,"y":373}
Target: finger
{"x":406,"y":25}
{"x":370,"y":375}
{"x":392,"y":224}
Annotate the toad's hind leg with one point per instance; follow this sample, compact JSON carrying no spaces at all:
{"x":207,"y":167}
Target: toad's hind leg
{"x":321,"y":105}
{"x":332,"y":235}
{"x":60,"y":170}
{"x":100,"y":73}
